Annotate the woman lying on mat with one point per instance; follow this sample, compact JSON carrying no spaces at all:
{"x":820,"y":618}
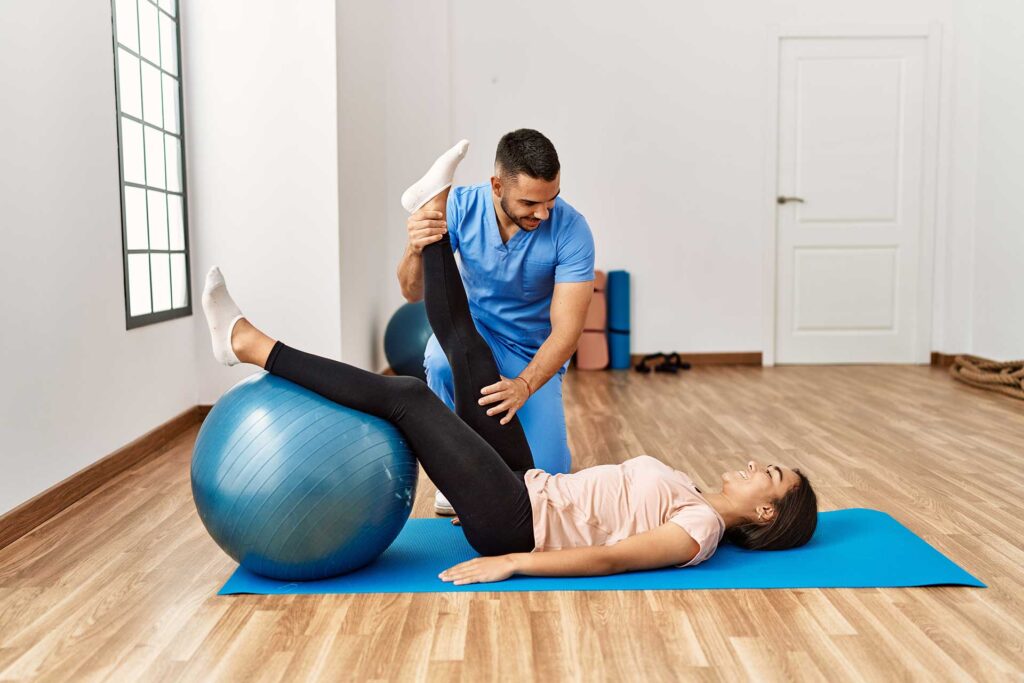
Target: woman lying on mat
{"x":607,"y":519}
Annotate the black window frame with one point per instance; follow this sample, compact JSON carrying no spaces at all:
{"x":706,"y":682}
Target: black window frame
{"x":133,"y":322}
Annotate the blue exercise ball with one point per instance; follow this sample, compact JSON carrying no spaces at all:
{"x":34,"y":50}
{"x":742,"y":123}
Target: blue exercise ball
{"x":405,"y":340}
{"x":296,"y":487}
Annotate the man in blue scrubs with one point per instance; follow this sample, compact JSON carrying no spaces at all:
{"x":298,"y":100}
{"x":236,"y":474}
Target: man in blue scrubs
{"x":527,"y":260}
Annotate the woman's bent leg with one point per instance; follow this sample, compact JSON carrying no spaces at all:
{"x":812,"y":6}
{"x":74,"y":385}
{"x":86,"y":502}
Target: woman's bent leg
{"x":491,"y":499}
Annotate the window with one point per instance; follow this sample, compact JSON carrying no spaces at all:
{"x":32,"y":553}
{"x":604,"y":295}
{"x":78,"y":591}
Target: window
{"x":154,"y":217}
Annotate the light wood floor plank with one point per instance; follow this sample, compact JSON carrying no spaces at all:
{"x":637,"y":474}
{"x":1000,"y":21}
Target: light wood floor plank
{"x":122,"y":585}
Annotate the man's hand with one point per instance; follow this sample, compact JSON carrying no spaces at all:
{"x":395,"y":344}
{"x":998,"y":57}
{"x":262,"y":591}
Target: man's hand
{"x":480,"y":570}
{"x":512,"y":394}
{"x":425,"y":227}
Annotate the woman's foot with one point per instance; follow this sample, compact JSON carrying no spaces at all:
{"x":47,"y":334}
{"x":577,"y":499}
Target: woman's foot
{"x":235,"y":339}
{"x":221,"y":315}
{"x":436,"y":180}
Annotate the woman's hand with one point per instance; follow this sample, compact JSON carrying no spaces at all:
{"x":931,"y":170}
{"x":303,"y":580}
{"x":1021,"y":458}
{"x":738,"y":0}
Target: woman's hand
{"x":480,"y":570}
{"x":512,"y":394}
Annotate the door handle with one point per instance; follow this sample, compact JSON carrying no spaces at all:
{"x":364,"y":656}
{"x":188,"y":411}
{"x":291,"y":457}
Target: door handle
{"x":783,"y":200}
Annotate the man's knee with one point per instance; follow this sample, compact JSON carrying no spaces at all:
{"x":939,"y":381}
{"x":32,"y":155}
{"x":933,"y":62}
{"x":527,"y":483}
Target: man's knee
{"x":437,"y":370}
{"x":439,"y":373}
{"x":436,"y":365}
{"x":543,"y":419}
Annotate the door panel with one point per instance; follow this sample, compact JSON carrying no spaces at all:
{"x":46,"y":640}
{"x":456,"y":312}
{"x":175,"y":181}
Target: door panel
{"x":844,"y":289}
{"x":851,"y":128}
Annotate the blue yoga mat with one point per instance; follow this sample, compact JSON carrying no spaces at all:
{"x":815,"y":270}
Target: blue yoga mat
{"x":851,"y":549}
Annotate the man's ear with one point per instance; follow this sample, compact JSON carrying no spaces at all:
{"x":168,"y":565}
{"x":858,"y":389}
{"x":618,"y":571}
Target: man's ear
{"x":496,"y":185}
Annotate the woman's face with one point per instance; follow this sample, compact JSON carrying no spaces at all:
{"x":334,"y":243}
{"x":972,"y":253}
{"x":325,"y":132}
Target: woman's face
{"x":758,"y":486}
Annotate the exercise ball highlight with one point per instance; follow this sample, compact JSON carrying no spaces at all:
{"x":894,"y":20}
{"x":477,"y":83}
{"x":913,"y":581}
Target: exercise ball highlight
{"x":296,"y":487}
{"x":405,"y":340}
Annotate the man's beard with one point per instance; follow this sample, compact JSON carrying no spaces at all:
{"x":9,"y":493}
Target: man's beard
{"x":517,"y":221}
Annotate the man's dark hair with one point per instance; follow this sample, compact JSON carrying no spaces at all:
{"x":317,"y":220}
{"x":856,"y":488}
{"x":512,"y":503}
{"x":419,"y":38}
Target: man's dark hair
{"x":526,"y":151}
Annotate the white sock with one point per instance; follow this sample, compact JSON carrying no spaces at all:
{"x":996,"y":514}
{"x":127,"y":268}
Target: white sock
{"x":436,"y":179}
{"x":221,"y":315}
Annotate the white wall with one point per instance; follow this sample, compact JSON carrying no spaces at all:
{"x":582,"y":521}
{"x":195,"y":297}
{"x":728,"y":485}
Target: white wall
{"x":394,"y":119}
{"x":262,"y":155}
{"x":998,"y":291}
{"x":658,"y":115}
{"x":418,"y":119}
{"x":367,"y":116}
{"x":954,"y":243}
{"x":76,"y":385}
{"x":303,"y":128}
{"x":363,"y":38}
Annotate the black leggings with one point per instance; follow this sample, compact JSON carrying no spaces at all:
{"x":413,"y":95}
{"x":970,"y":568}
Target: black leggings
{"x":477,"y":463}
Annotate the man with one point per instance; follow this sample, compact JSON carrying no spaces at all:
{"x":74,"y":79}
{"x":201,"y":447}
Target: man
{"x":527,"y":259}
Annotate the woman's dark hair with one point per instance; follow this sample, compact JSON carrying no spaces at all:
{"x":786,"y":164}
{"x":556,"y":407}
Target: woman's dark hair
{"x":796,"y":517}
{"x":527,"y":151}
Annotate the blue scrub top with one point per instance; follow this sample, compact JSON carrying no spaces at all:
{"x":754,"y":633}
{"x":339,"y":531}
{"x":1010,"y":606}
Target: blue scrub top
{"x":510,"y":285}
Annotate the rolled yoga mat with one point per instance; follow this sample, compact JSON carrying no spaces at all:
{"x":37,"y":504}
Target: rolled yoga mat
{"x":617,"y":293}
{"x":854,"y":548}
{"x":592,"y":350}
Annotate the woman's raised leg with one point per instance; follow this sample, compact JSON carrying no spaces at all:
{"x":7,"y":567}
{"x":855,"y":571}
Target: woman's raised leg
{"x":470,"y":358}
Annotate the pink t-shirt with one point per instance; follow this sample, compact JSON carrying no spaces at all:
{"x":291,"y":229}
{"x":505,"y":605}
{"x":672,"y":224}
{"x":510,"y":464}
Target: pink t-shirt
{"x":605,"y":504}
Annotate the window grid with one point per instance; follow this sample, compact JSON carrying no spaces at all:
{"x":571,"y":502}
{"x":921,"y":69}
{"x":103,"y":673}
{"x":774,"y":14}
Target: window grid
{"x":150,"y":186}
{"x":147,"y":60}
{"x":143,"y":186}
{"x":147,"y":124}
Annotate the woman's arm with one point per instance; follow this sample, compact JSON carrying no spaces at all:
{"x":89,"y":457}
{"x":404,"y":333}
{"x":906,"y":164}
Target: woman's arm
{"x":662,"y":547}
{"x":665,"y":546}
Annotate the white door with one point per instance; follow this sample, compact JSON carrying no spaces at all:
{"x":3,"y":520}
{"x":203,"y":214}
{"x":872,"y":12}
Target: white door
{"x":850,"y":178}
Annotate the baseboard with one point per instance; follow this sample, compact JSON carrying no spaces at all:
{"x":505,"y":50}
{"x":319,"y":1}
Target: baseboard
{"x":730,"y":358}
{"x":943,"y":360}
{"x":30,"y":514}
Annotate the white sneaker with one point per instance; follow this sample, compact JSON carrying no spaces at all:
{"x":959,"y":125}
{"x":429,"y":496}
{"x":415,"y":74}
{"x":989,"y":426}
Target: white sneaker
{"x":442,"y":506}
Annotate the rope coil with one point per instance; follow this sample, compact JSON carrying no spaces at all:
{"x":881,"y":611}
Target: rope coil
{"x":1005,"y":377}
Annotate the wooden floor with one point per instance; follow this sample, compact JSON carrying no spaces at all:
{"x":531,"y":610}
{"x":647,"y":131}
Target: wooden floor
{"x":122,"y":585}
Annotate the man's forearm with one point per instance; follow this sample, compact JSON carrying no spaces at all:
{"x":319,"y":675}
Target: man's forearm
{"x":410,"y":275}
{"x":550,"y":357}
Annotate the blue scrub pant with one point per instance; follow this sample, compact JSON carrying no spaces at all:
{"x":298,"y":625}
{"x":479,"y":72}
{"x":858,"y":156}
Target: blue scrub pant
{"x":542,"y":416}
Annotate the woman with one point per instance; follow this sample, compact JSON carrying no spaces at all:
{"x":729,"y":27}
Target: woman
{"x":601,"y":520}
